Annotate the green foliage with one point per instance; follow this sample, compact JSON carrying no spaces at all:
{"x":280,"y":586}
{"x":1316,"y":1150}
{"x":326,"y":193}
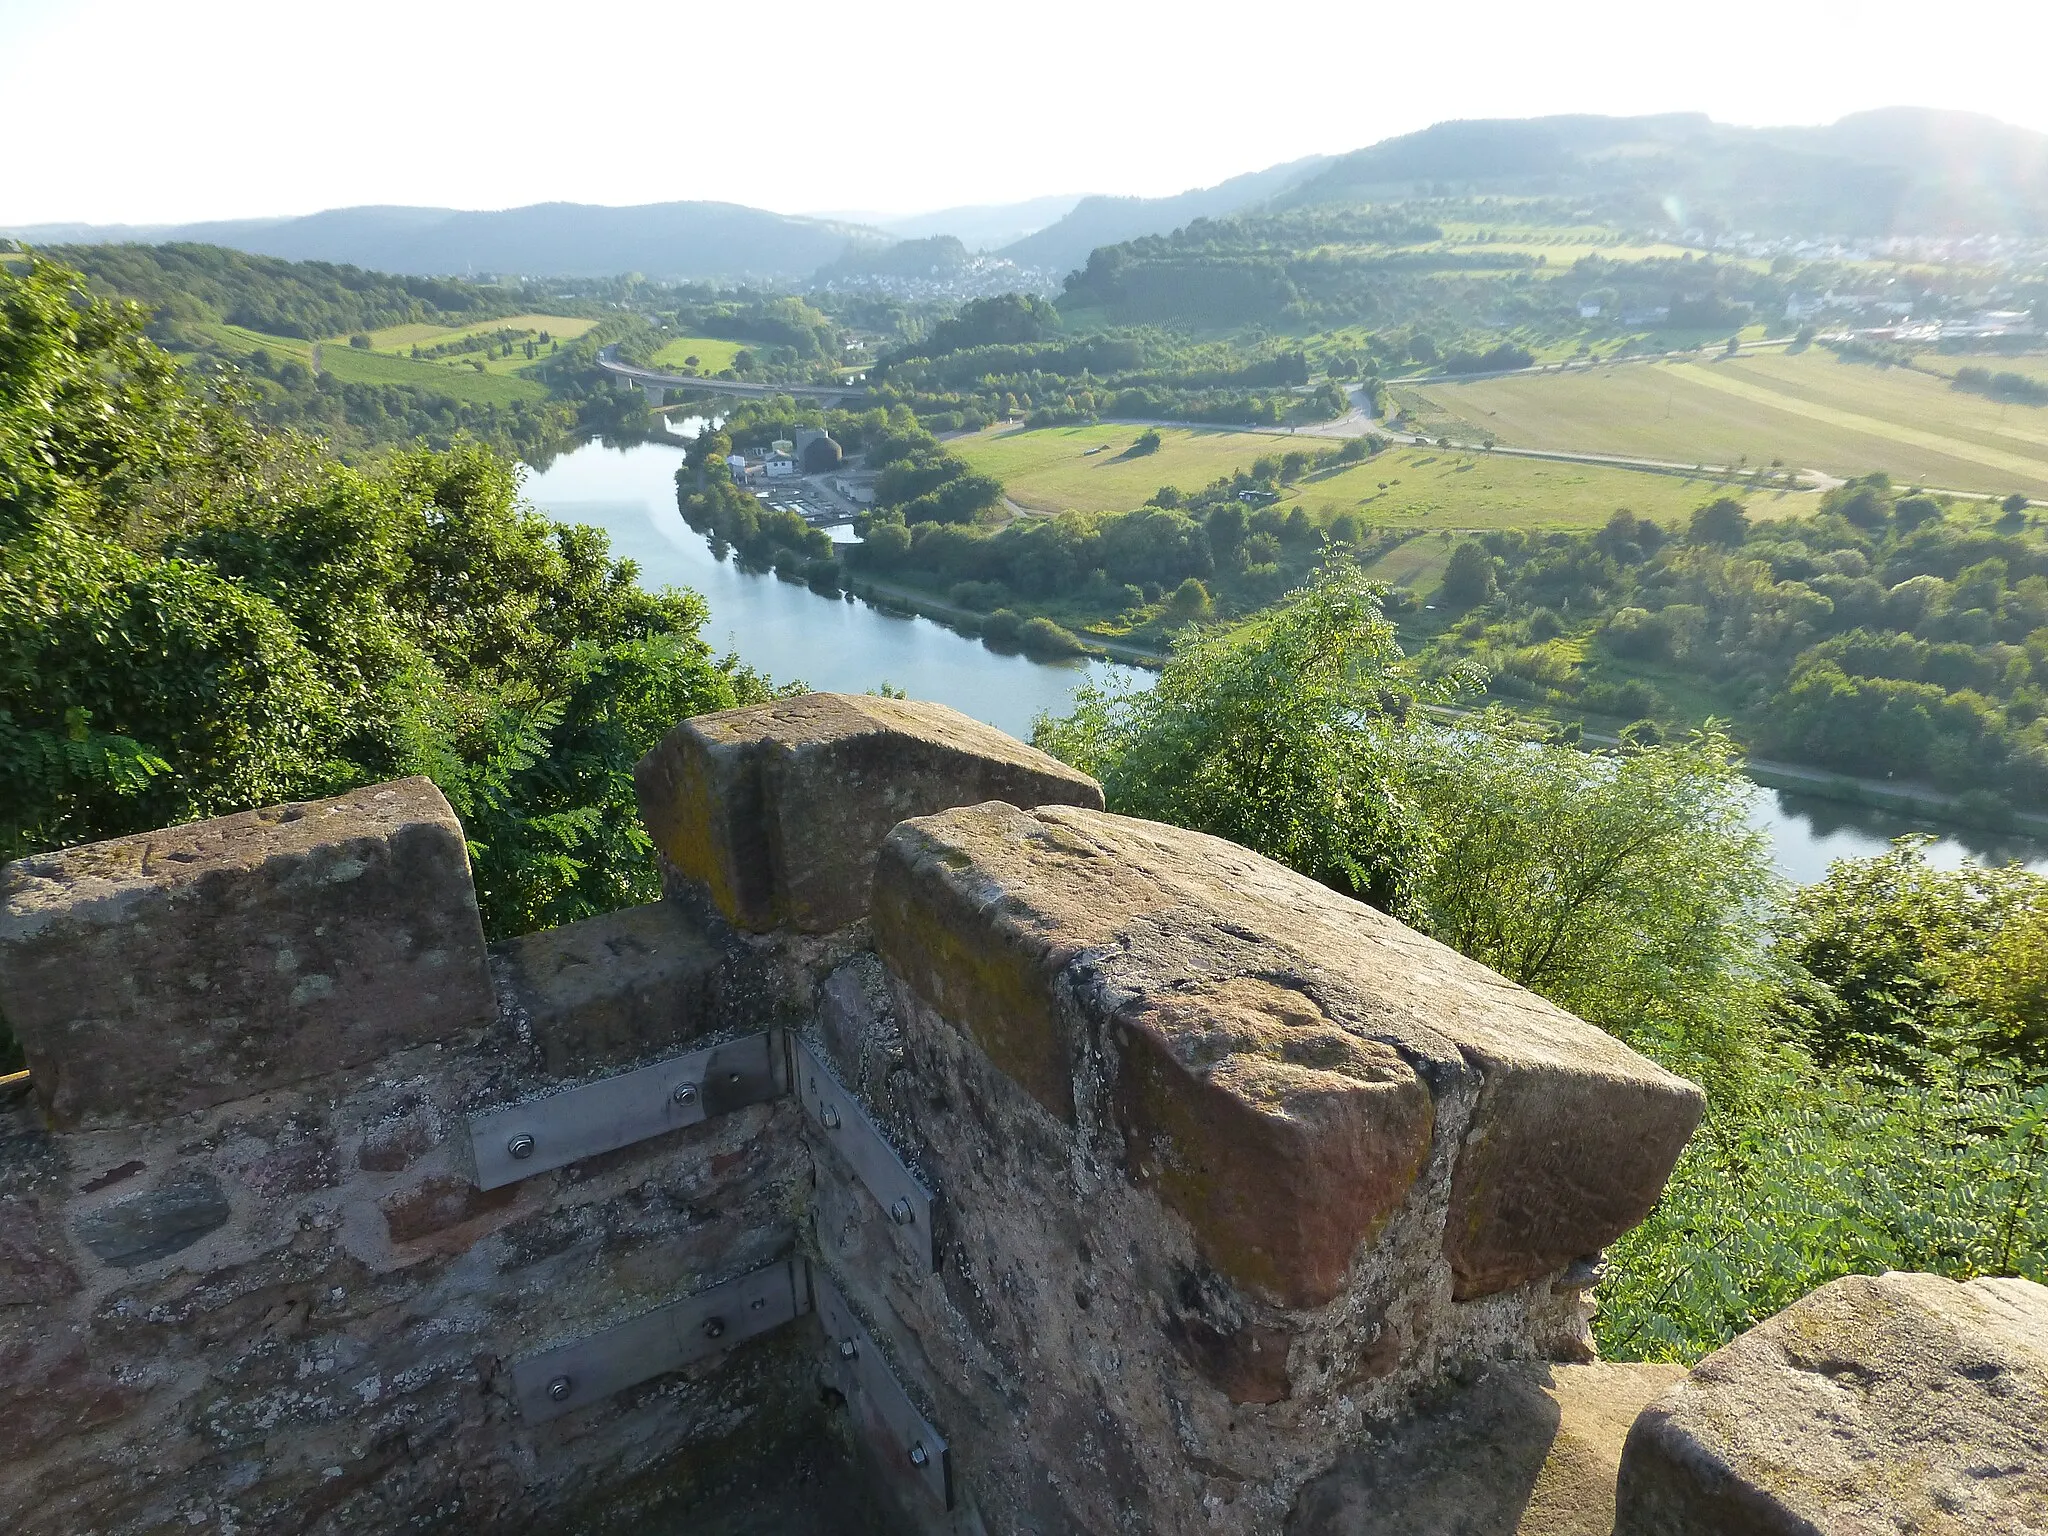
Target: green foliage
{"x":1943,"y":1170}
{"x":1916,"y":958}
{"x":184,"y":284}
{"x":1276,"y":735}
{"x":196,"y":618}
{"x":1889,"y":635}
{"x":1627,"y":887}
{"x":1468,"y":579}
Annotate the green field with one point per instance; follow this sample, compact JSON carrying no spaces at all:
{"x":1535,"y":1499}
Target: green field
{"x":1435,"y":488}
{"x":399,"y":340}
{"x":1417,"y":564}
{"x":1050,"y":469}
{"x":1083,"y":469}
{"x":1809,"y":410}
{"x":353,"y":365}
{"x":711,"y":354}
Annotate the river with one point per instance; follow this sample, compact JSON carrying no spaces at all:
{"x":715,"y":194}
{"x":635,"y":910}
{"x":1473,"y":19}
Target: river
{"x":789,"y":631}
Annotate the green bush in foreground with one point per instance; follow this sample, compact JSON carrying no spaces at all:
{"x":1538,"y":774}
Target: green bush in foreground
{"x":1946,"y":1172}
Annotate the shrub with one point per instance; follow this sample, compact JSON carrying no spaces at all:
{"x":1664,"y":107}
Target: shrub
{"x":1042,"y":637}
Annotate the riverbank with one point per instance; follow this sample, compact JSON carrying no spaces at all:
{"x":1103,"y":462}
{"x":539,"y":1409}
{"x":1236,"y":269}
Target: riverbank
{"x":966,"y":622}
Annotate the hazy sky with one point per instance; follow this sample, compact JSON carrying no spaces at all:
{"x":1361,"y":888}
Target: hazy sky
{"x":149,"y":111}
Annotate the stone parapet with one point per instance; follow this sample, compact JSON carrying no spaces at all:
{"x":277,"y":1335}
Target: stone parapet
{"x":289,"y":1306}
{"x":1232,"y":1167}
{"x":777,"y":809}
{"x":160,"y":974}
{"x":1143,"y":1184}
{"x":1897,"y":1402}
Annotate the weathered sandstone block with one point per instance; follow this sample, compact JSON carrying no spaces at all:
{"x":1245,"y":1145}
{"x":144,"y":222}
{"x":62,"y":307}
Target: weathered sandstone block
{"x":1278,"y":1047}
{"x":609,"y":990}
{"x":158,"y":974}
{"x":1901,"y":1402}
{"x":778,"y":809}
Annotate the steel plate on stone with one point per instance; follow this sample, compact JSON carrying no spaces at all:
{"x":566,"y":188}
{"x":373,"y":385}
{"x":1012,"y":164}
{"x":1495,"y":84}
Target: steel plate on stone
{"x":519,"y":1140}
{"x":912,"y":1451}
{"x":840,"y":1120}
{"x":573,"y":1376}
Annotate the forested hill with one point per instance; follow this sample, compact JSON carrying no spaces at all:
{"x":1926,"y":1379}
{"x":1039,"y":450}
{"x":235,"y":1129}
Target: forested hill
{"x":1902,"y":170}
{"x":1098,"y":221}
{"x":659,"y":240}
{"x":205,"y":283}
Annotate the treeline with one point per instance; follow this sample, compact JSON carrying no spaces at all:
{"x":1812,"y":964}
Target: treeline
{"x":307,"y":300}
{"x":1888,"y":635}
{"x":281,"y":391}
{"x":1008,"y":356}
{"x":1308,"y":271}
{"x":2003,"y":385}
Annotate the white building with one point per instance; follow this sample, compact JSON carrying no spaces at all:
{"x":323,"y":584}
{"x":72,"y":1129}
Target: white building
{"x":780,"y":463}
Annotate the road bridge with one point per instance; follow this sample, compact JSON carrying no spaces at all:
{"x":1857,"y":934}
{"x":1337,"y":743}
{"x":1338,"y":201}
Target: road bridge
{"x":657,"y":384}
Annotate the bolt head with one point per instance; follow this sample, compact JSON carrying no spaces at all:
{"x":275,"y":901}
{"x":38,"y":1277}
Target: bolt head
{"x":520,"y":1146}
{"x":560,"y":1388}
{"x":902,"y":1212}
{"x":918,"y":1455}
{"x":848,"y":1349}
{"x":686,"y":1093}
{"x":714,"y":1327}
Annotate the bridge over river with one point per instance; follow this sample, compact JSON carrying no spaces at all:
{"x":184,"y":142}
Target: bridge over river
{"x":658,"y":384}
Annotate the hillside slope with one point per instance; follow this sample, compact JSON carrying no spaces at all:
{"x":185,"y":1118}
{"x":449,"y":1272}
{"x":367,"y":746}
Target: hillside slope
{"x":1902,"y":170}
{"x":662,"y":240}
{"x":1098,"y":221}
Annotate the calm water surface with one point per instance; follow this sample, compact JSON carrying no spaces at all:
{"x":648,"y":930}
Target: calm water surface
{"x":788,"y":632}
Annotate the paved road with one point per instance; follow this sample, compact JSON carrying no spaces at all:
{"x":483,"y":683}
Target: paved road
{"x":638,"y":375}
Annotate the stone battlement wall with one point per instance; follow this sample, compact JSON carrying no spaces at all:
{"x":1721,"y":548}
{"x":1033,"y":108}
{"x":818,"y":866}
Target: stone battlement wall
{"x":1051,"y":1170}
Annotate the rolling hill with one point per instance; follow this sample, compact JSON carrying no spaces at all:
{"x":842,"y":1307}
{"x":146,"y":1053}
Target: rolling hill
{"x":1095,"y":221}
{"x":663,"y":240}
{"x":1901,"y":170}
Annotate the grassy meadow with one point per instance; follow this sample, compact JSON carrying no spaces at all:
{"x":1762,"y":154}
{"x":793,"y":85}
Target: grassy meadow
{"x":1052,"y":469}
{"x":710,"y":353}
{"x":353,"y":365}
{"x":1808,"y":410}
{"x":1087,"y":469}
{"x":1439,"y":488}
{"x":399,"y":340}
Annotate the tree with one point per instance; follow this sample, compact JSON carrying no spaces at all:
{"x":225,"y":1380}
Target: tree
{"x":1190,"y":599}
{"x":197,"y":617}
{"x":1627,"y":887}
{"x":1273,"y":735}
{"x":1915,"y":957}
{"x":1146,"y":442}
{"x":1721,"y":521}
{"x":1468,"y":579}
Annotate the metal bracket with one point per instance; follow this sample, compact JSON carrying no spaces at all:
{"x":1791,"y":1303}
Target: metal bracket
{"x":519,"y":1140}
{"x":573,"y":1376}
{"x":912,"y":1450}
{"x":836,"y":1113}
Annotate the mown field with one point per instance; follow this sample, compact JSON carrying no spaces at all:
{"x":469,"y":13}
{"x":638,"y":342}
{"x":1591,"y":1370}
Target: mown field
{"x":353,"y":365}
{"x":1809,"y":410}
{"x":1053,"y":469}
{"x":707,"y":354}
{"x":1434,"y":488}
{"x":399,"y":340}
{"x":1086,"y":469}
